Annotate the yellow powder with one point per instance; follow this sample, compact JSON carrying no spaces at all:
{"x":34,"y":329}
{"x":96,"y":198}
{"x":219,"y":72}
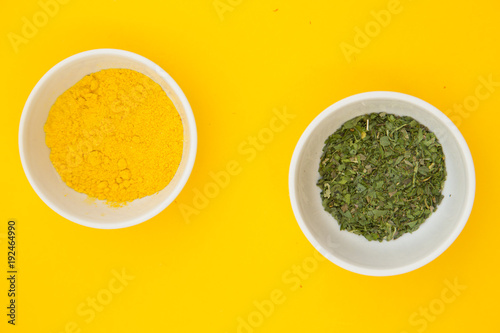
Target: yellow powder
{"x":115,"y":136}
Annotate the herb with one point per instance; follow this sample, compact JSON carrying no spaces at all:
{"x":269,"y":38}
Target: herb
{"x":381,"y":175}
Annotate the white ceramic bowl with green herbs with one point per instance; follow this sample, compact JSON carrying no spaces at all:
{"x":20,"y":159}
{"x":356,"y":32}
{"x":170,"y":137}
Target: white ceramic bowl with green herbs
{"x":410,"y":251}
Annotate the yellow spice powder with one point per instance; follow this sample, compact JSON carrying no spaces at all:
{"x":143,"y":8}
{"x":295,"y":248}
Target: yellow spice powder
{"x":115,"y":135}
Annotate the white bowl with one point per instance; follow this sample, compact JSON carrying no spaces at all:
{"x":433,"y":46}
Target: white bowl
{"x":410,"y":251}
{"x":44,"y":178}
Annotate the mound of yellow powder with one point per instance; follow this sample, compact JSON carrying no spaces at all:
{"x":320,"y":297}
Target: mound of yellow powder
{"x":115,"y":136}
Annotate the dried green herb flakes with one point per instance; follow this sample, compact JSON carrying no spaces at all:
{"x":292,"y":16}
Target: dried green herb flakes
{"x":381,"y":175}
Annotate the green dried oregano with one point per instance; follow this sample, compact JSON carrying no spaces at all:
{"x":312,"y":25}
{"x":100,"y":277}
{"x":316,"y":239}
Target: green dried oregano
{"x":381,"y":175}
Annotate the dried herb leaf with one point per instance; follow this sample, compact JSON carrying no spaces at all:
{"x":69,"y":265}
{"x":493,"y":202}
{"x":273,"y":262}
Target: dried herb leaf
{"x":381,"y":175}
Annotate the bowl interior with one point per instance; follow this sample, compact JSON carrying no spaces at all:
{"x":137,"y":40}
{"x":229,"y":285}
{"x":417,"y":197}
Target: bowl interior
{"x":35,"y":154}
{"x":410,"y":251}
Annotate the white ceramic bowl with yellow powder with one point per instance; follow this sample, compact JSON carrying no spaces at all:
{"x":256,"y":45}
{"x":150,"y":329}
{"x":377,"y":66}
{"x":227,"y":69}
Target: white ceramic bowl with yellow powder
{"x":36,"y":155}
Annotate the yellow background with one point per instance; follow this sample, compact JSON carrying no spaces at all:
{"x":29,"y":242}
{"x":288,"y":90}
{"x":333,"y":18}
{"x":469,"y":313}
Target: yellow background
{"x":262,"y":55}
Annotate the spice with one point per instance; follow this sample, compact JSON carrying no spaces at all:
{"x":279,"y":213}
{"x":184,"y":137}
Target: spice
{"x":115,"y":135}
{"x":381,"y":175}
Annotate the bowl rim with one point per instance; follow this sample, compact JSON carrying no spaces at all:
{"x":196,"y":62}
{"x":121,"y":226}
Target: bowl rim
{"x":378,"y":95}
{"x":191,"y":123}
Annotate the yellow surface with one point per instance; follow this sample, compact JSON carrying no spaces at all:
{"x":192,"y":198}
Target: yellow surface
{"x":242,"y":259}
